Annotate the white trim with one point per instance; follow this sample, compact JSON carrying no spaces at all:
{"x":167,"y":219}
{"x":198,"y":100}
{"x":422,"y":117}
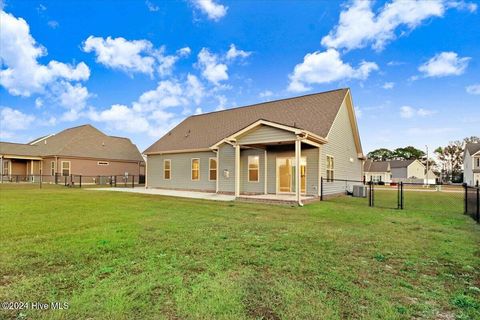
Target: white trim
{"x":69,"y":168}
{"x":319,"y":191}
{"x":237,"y":170}
{"x":327,"y":169}
{"x":53,"y":168}
{"x":178,"y":151}
{"x":216,"y":182}
{"x":210,"y":168}
{"x":277,"y":175}
{"x":298,"y":178}
{"x":258,"y":169}
{"x":191,"y":169}
{"x":265,"y":187}
{"x":169,"y":169}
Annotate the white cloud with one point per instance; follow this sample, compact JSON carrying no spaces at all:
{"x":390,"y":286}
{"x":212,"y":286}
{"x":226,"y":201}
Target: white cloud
{"x":265,"y":94}
{"x":212,"y":69}
{"x":121,"y":117}
{"x":53,"y":24}
{"x":214,"y":11}
{"x":195,"y":89}
{"x":167,"y":62}
{"x":388,"y":85}
{"x":358,"y":112}
{"x":198,"y":110}
{"x":122,"y":54}
{"x":359,"y":26}
{"x":444,"y":64}
{"x":222,"y":103}
{"x":408,"y":112}
{"x":473,"y":89}
{"x":325,"y":67}
{"x":184,"y":52}
{"x":151,"y":6}
{"x":38,"y":103}
{"x":13,"y":120}
{"x":234,"y":53}
{"x":19,"y":53}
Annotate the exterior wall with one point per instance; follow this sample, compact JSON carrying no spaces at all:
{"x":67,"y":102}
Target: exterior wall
{"x":341,"y":145}
{"x":180,"y":175}
{"x":416,"y":169}
{"x":264,"y":134}
{"x":245,"y":185}
{"x":399,"y":173}
{"x":18,"y":167}
{"x":468,"y":176}
{"x":226,"y":164}
{"x":476,"y":179}
{"x":385,"y":176}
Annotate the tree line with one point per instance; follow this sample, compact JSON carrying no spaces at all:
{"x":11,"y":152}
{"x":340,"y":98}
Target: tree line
{"x":448,"y":163}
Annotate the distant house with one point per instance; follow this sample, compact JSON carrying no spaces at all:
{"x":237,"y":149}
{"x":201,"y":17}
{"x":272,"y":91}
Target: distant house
{"x":275,"y":148}
{"x":471,"y":163}
{"x":397,"y":170}
{"x":82,"y":150}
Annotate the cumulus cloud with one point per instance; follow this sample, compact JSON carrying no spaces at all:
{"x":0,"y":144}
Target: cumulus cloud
{"x":121,"y":117}
{"x":359,"y":26}
{"x":23,"y":75}
{"x":388,"y":85}
{"x":212,"y":69}
{"x":324,"y":67}
{"x":473,"y":89}
{"x":151,"y":6}
{"x":444,"y":64}
{"x":13,"y":119}
{"x":234,"y":53}
{"x":213,"y":10}
{"x":265,"y":94}
{"x":408,"y":112}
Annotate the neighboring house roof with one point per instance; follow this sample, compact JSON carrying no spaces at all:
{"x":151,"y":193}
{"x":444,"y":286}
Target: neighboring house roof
{"x":314,"y":113}
{"x":82,"y":141}
{"x":400,"y":163}
{"x":376,"y":166}
{"x":472,"y":148}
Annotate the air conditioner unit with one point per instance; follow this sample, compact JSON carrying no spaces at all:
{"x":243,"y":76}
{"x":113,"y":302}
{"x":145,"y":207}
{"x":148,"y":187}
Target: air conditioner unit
{"x":360,"y":191}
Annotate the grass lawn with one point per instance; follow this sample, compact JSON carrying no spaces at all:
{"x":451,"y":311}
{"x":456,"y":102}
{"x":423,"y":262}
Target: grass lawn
{"x":113,"y":255}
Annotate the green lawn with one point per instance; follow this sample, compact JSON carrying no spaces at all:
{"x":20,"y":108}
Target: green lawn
{"x":113,"y":255}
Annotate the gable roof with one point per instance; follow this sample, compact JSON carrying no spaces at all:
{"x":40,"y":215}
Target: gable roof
{"x":314,"y":113}
{"x":376,"y":166}
{"x":83,"y":141}
{"x":401,"y":163}
{"x":472,"y":148}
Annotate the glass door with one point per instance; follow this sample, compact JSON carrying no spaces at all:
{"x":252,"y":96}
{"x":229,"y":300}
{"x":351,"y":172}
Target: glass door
{"x":286,"y":173}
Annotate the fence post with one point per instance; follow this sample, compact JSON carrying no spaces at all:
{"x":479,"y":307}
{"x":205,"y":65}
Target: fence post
{"x":115,"y":181}
{"x":80,"y":181}
{"x":401,"y":196}
{"x":478,"y":205}
{"x":370,"y":193}
{"x":41,"y":181}
{"x":398,"y":196}
{"x":321,"y":188}
{"x":133,"y":181}
{"x":465,"y":208}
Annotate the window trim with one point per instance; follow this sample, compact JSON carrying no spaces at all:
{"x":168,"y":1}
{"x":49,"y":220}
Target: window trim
{"x":69,"y":168}
{"x":52,"y":168}
{"x":169,"y":169}
{"x":9,"y":167}
{"x":327,"y":169}
{"x":258,"y":169}
{"x":191,"y":169}
{"x":210,"y":168}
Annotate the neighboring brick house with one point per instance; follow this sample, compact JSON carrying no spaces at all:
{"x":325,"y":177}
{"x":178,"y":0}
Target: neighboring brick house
{"x":82,"y":150}
{"x":256,"y":150}
{"x":471,"y":163}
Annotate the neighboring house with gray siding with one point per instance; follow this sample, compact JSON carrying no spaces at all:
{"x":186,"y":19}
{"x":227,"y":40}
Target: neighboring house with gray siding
{"x":397,"y":171}
{"x":471,"y":163}
{"x":254,"y":150}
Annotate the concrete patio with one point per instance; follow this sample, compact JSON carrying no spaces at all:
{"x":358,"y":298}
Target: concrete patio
{"x":174,"y":193}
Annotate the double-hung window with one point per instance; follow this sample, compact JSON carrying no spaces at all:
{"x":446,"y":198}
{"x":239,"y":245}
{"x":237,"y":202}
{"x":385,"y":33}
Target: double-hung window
{"x":167,"y":169}
{"x":330,"y":169}
{"x":195,"y":169}
{"x":253,"y":168}
{"x":66,"y":168}
{"x":212,"y":169}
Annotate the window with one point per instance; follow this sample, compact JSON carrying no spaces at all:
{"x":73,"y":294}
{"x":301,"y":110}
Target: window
{"x":65,"y":168}
{"x":330,"y":169}
{"x":478,"y":162}
{"x":212,"y":169}
{"x":6,"y":167}
{"x":195,"y":169}
{"x":253,"y":168}
{"x":102,"y":163}
{"x":52,"y":168}
{"x":167,"y":169}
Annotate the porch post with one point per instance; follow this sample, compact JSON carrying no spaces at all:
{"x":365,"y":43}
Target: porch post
{"x":265,"y":187}
{"x":1,"y":164}
{"x":298,"y":157}
{"x":237,"y":170}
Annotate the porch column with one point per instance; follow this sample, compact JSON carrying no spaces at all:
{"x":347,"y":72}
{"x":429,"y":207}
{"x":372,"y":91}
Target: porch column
{"x":265,"y":187}
{"x":298,"y":157}
{"x":237,"y":170}
{"x":1,"y":165}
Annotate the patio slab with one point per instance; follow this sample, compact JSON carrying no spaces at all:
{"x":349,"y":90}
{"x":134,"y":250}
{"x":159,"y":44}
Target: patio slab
{"x":174,"y":193}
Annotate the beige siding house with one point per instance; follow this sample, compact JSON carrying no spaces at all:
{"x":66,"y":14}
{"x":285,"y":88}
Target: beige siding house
{"x":82,"y":150}
{"x":471,"y":163}
{"x":282,"y":147}
{"x":398,"y":171}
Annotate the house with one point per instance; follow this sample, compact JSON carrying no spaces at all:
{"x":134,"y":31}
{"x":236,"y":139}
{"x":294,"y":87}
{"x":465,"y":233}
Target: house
{"x":256,"y":149}
{"x":377,"y":171}
{"x":397,"y":171}
{"x":471,"y":163}
{"x":82,"y":150}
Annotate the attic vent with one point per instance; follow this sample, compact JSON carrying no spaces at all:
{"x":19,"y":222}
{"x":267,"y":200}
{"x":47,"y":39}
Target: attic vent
{"x":103,"y":144}
{"x":187,"y":134}
{"x":45,"y":141}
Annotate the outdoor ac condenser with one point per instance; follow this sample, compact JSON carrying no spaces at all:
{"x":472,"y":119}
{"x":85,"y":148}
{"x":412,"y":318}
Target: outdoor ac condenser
{"x":360,"y":191}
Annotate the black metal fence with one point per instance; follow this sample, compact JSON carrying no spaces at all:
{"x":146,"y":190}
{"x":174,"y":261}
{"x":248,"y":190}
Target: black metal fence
{"x":75,"y":180}
{"x":438,"y":198}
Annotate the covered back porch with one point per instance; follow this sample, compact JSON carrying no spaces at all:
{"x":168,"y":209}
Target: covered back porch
{"x":20,"y":168}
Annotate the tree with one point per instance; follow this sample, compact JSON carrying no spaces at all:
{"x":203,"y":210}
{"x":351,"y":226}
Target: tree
{"x":451,"y":160}
{"x":381,"y":154}
{"x":472,"y":139}
{"x":408,"y":153}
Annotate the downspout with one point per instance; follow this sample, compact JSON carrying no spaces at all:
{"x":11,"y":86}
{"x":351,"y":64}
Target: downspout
{"x":146,"y":171}
{"x":216,"y":178}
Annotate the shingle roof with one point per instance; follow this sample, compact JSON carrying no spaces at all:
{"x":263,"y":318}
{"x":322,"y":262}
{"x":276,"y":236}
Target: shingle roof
{"x":82,"y":141}
{"x":376,"y":166}
{"x":400,"y":163}
{"x":472,"y":148}
{"x":314,"y":112}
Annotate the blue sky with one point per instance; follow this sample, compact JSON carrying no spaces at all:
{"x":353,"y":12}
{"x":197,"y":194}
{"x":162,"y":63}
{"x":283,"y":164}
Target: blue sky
{"x":137,"y":68}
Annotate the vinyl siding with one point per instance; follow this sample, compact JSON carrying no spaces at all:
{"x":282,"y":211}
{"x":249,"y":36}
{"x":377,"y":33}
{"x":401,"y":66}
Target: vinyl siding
{"x":245,"y":185}
{"x":180,"y":171}
{"x":417,"y":170}
{"x":226,"y":162}
{"x":341,"y":146}
{"x":468,"y":176}
{"x":399,"y":173}
{"x":263,"y":134}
